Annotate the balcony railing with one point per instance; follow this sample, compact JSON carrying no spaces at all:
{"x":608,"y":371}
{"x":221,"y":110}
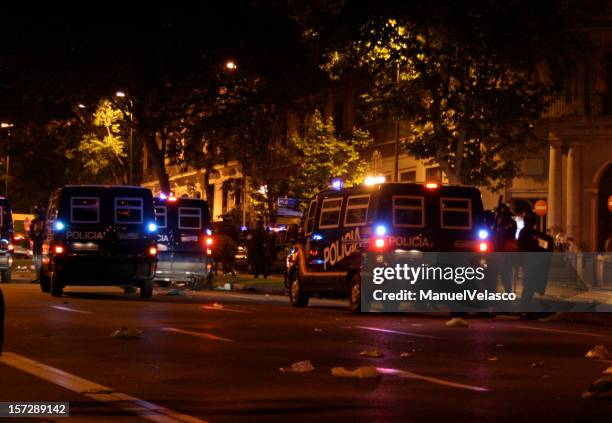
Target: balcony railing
{"x":580,"y":105}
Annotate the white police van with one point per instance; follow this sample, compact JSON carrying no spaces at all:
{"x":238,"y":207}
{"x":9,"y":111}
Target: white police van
{"x":340,"y":225}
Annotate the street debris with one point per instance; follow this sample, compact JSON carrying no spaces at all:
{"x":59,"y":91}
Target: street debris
{"x":507,"y":317}
{"x":304,"y":366}
{"x":492,"y":359}
{"x":175,"y":293}
{"x":407,"y":354}
{"x":359,"y":372}
{"x":373,"y":353}
{"x":537,"y":364}
{"x":600,"y":389}
{"x":318,"y":330}
{"x":416,"y":324}
{"x":599,"y":352}
{"x":217,"y":305}
{"x":457,"y":322}
{"x":126,"y":333}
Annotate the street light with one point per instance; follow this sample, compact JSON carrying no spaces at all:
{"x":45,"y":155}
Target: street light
{"x":231,"y":65}
{"x":121,"y":94}
{"x":6,"y":125}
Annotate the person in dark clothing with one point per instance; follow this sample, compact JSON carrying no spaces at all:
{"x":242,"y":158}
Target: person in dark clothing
{"x":504,"y":241}
{"x":228,"y":242}
{"x":261,"y":250}
{"x":36,"y":234}
{"x":535,"y":266}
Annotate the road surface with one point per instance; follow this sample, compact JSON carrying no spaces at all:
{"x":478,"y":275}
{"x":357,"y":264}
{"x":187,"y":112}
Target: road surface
{"x":215,"y":357}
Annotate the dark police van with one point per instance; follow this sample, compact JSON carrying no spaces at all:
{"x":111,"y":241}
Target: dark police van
{"x":339,"y":225}
{"x":99,"y":235}
{"x":6,"y":240}
{"x":184,"y":240}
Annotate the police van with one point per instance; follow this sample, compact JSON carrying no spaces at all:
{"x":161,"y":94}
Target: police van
{"x":340,"y":225}
{"x":99,"y":235}
{"x":6,"y":240}
{"x":184,"y":240}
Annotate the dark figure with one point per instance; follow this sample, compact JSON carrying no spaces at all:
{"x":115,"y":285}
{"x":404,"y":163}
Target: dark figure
{"x":36,"y":234}
{"x":228,"y":237}
{"x":535,"y":266}
{"x":261,"y":250}
{"x":504,"y":241}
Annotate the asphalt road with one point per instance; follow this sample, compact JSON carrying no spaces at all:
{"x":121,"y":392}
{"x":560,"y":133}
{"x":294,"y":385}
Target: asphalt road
{"x":216,"y":357}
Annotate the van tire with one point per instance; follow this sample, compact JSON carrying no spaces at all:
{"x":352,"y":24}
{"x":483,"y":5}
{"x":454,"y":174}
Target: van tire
{"x":297,"y":296}
{"x":57,"y":287}
{"x":355,"y":293}
{"x":45,"y":282}
{"x":6,"y":276}
{"x":146,"y":289}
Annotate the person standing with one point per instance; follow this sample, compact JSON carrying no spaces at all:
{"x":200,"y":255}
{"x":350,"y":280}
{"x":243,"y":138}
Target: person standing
{"x":1,"y":321}
{"x":504,"y":239}
{"x":535,"y":266}
{"x":261,"y":250}
{"x":36,"y":234}
{"x":228,"y":241}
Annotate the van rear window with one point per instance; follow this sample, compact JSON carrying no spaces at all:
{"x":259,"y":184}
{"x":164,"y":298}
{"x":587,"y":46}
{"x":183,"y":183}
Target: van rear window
{"x":161,"y":216}
{"x":330,"y":213}
{"x":455,"y":213}
{"x":189,"y":218}
{"x":128,"y":210}
{"x":408,"y":211}
{"x":357,"y":210}
{"x":85,"y":209}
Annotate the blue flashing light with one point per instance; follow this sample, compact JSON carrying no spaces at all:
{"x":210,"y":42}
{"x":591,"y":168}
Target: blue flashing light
{"x":59,"y":225}
{"x":380,"y":230}
{"x":162,"y":196}
{"x":152,"y":227}
{"x":337,"y":183}
{"x":483,"y":234}
{"x":317,"y":237}
{"x":243,"y":228}
{"x":208,"y":232}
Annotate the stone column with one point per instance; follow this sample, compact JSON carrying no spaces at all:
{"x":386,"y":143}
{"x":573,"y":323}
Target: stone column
{"x":554,"y":186}
{"x":574,"y":194}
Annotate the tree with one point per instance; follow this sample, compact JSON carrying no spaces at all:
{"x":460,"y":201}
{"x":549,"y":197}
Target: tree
{"x":322,"y":156}
{"x":102,"y":150}
{"x":470,"y":79}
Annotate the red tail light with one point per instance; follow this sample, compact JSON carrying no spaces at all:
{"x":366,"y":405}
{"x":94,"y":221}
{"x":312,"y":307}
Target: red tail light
{"x":431,"y":185}
{"x":483,"y":247}
{"x":152,"y":251}
{"x":59,"y":249}
{"x":11,"y":247}
{"x":209,"y":241}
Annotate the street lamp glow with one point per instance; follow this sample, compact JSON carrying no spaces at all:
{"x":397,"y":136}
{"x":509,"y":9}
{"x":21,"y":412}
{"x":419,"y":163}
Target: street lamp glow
{"x":6,"y":125}
{"x":81,"y":106}
{"x":230,"y":64}
{"x":120,"y":94}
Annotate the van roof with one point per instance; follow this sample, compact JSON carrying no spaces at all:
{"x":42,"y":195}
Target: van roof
{"x":358,"y":189}
{"x":105,"y":186}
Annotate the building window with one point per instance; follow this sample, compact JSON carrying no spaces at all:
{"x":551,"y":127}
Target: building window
{"x":433,"y":174}
{"x":408,"y":176}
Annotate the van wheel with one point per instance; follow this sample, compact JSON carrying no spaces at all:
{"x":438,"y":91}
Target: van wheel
{"x":45,"y":282}
{"x":57,"y":288}
{"x":297,"y":296}
{"x":355,"y":293}
{"x":146,"y":289}
{"x":6,"y":276}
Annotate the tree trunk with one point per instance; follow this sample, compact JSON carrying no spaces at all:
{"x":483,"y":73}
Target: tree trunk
{"x":158,"y":162}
